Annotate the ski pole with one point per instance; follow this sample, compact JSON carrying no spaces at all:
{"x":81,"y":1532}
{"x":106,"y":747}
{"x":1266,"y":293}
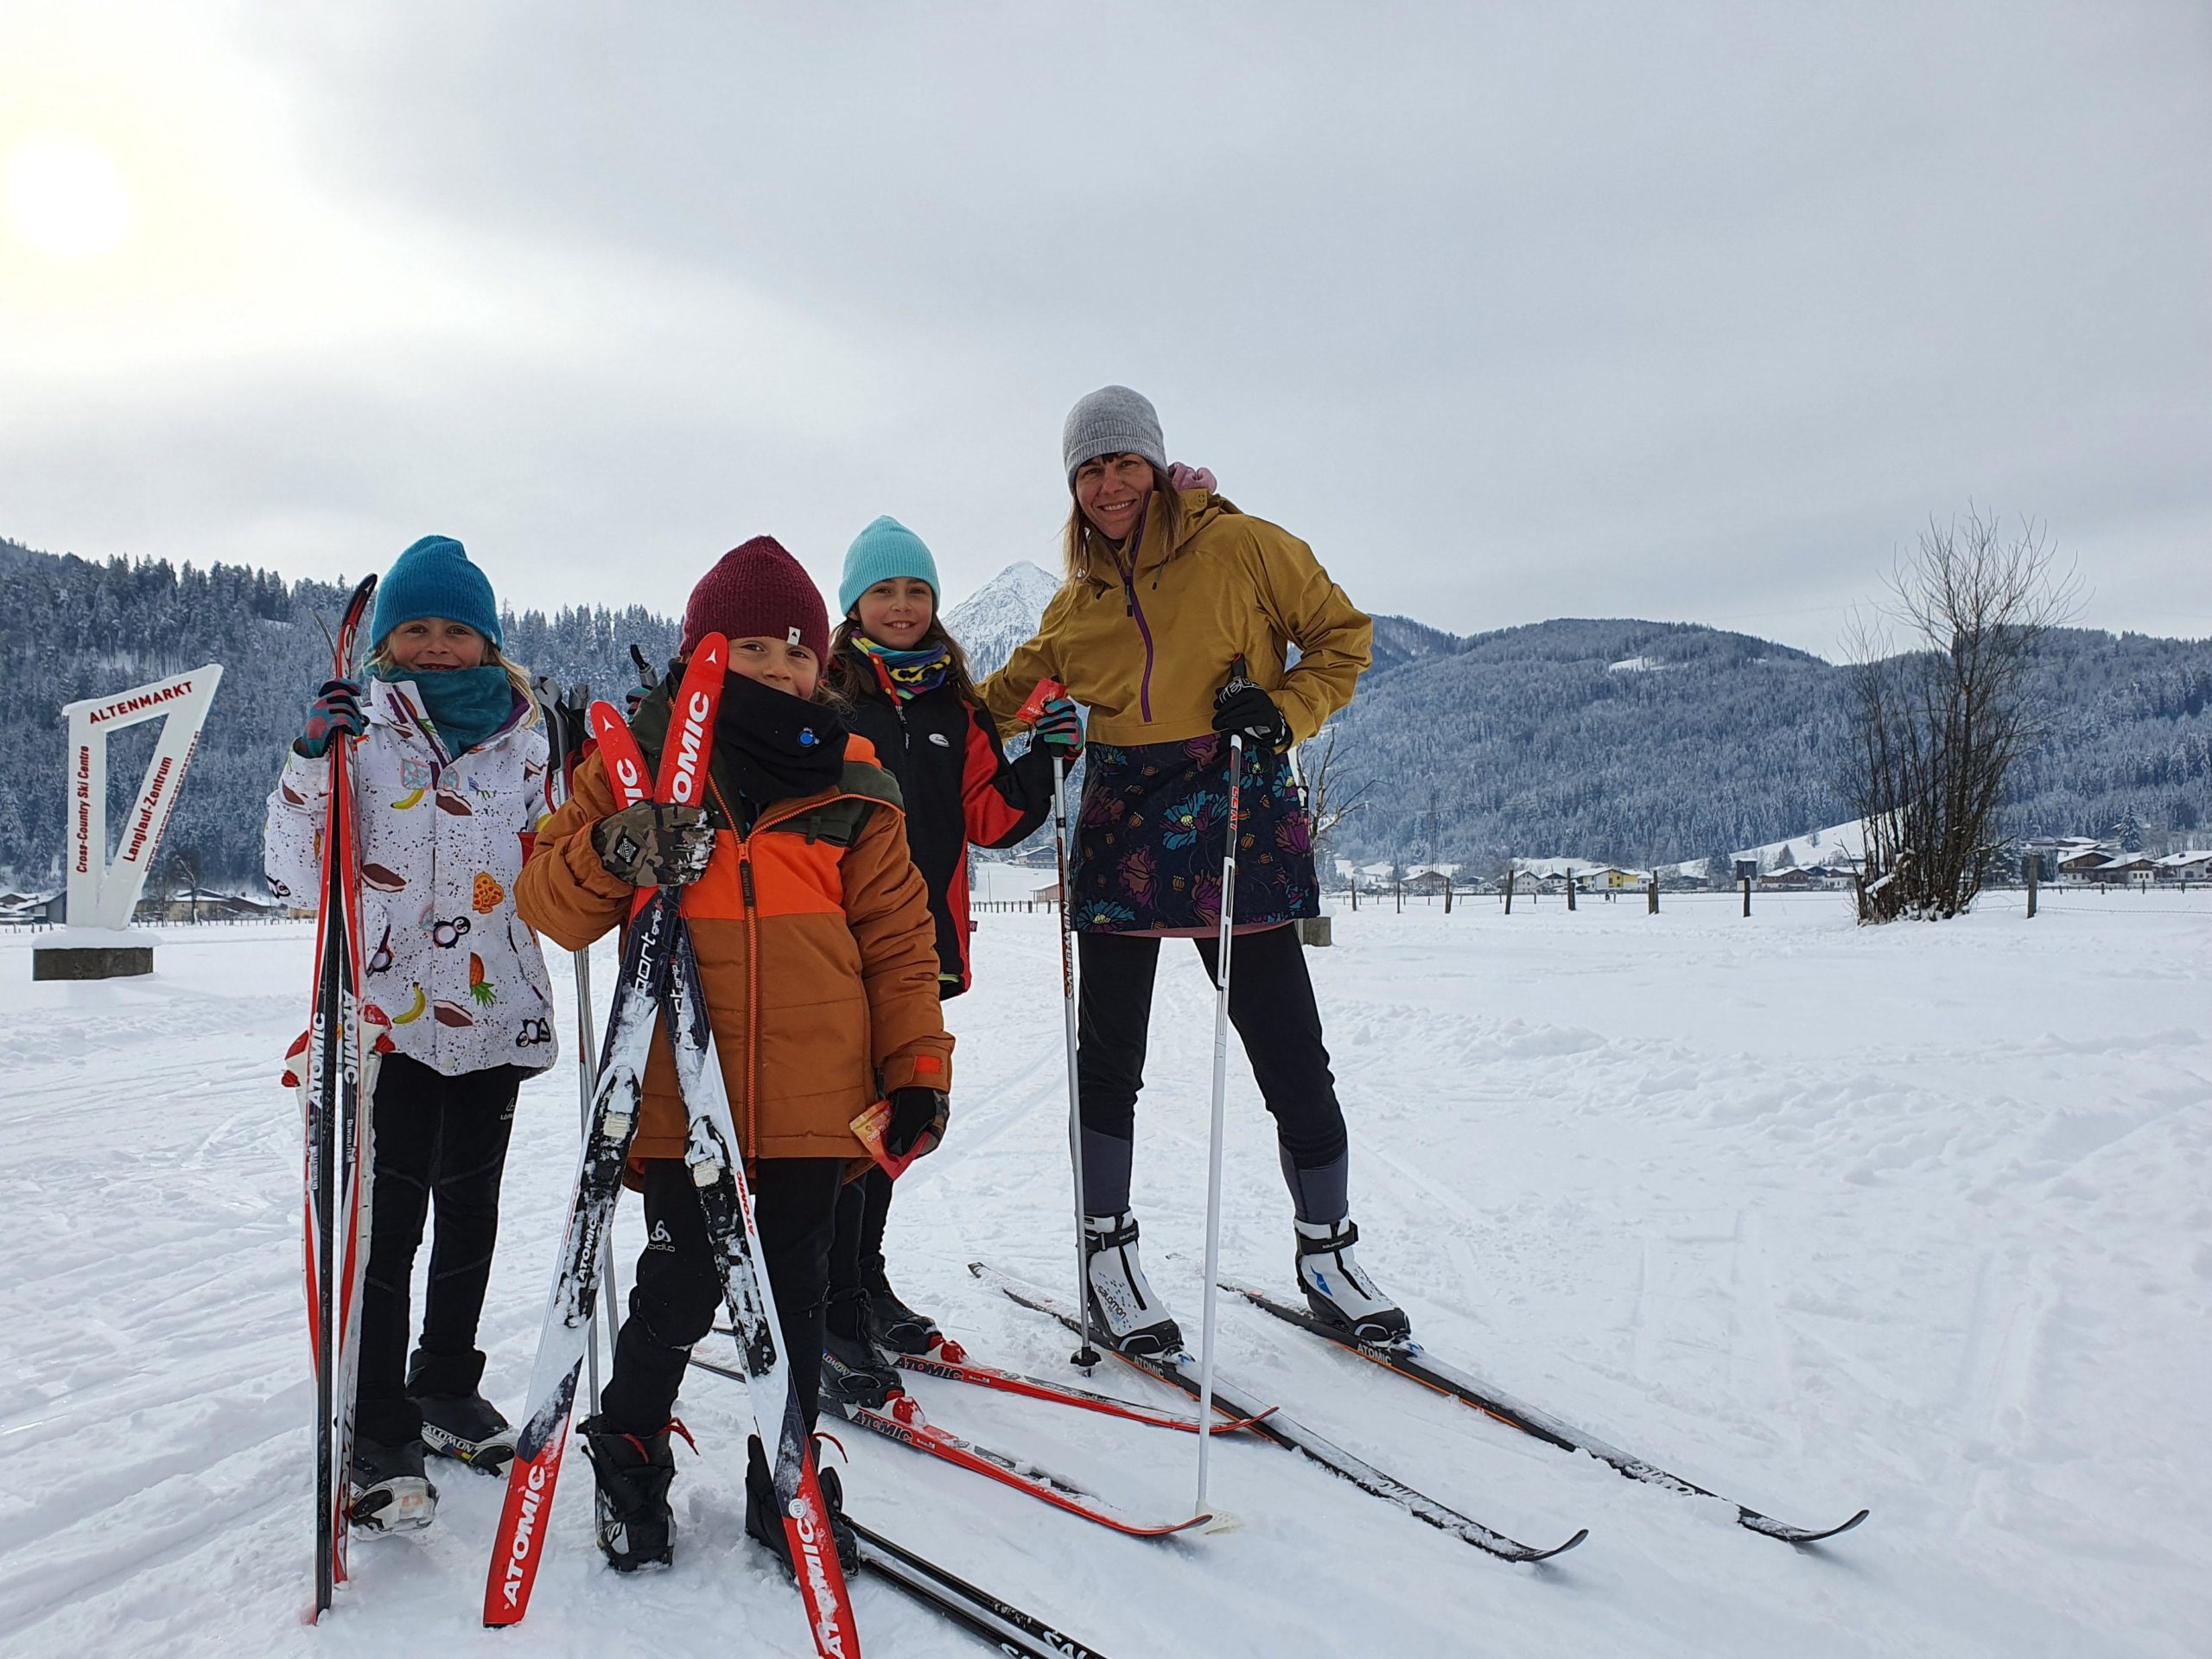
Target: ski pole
{"x":1084,"y":1357}
{"x":1220,"y":1100}
{"x":565,"y":716}
{"x":1237,"y":681}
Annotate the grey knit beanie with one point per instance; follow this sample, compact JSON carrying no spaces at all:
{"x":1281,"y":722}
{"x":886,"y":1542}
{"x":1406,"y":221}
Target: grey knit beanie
{"x":1112,"y":420}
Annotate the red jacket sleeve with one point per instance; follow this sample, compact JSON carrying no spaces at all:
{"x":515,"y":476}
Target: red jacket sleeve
{"x":1002,"y":801}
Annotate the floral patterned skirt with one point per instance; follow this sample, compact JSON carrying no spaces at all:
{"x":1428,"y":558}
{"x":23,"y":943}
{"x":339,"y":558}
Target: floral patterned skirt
{"x":1149,"y":842}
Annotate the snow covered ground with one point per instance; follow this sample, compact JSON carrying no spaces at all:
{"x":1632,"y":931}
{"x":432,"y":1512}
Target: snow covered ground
{"x":1918,"y":1218}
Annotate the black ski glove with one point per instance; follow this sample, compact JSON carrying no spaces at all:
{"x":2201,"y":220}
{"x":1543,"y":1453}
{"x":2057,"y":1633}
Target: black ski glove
{"x":1241,"y":706}
{"x":917,"y":1119}
{"x":654,"y":844}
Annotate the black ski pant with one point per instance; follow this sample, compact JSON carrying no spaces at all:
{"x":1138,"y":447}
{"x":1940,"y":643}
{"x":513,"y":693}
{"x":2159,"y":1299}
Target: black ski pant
{"x":441,"y":1148}
{"x":856,"y":1254}
{"x":1270,"y":1003}
{"x":679,"y":1289}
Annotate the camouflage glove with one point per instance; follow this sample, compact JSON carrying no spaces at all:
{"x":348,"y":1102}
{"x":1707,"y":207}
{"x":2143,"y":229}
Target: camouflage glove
{"x":654,"y":844}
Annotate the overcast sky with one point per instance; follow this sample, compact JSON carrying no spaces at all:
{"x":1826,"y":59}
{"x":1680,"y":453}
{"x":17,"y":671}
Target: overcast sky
{"x":1513,"y":312}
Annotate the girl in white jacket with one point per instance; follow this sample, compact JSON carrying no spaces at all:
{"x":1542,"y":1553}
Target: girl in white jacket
{"x":452,"y":786}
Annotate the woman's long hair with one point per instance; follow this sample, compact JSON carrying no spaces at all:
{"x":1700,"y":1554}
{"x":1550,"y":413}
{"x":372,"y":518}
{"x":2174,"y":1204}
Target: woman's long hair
{"x":852,"y":677}
{"x":517,"y":676}
{"x":1083,"y":552}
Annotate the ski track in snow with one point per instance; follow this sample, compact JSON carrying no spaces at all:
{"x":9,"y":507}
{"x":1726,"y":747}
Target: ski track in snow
{"x":1919,"y":1218}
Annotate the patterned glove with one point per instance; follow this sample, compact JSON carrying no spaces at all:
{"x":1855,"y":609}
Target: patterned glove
{"x":917,"y":1119}
{"x":1242,"y":708}
{"x":337,"y":709}
{"x":1060,"y":723}
{"x":654,"y":844}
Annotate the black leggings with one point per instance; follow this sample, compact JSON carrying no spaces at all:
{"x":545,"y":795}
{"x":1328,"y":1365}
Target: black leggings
{"x":679,"y":1289}
{"x":441,"y":1142}
{"x":1270,"y":1003}
{"x":863,"y":1207}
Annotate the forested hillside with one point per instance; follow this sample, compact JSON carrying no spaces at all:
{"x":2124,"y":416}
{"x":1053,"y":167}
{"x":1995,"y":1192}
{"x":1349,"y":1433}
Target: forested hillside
{"x":1635,"y":741}
{"x":70,"y":628}
{"x":1646,"y":741}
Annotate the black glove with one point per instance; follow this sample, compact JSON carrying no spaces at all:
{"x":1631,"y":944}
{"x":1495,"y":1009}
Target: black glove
{"x":654,"y":844}
{"x":917,"y":1120}
{"x":337,"y":709}
{"x":1241,"y":706}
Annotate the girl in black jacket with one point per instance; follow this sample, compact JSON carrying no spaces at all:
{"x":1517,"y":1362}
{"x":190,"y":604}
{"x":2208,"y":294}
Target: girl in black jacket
{"x":910,"y":695}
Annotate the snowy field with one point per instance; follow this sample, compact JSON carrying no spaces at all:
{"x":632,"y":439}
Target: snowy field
{"x":1919,"y":1219}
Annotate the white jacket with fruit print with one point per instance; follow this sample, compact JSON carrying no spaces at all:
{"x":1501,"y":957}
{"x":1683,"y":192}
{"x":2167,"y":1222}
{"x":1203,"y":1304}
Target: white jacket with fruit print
{"x":460,"y":977}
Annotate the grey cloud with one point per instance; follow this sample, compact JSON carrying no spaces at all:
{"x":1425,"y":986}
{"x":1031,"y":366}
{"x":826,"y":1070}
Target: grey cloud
{"x":1691,"y":312}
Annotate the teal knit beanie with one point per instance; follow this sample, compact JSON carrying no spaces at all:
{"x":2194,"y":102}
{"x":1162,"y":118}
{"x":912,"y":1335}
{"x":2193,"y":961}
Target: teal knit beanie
{"x":886,"y":548}
{"x":434,"y":578}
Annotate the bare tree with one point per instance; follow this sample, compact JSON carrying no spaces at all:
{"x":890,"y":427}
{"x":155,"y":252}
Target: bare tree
{"x":1937,"y":726}
{"x":1331,"y":796}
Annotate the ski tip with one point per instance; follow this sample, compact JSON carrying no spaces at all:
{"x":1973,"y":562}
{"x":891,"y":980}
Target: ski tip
{"x":1832,"y":1532}
{"x":1557,"y":1549}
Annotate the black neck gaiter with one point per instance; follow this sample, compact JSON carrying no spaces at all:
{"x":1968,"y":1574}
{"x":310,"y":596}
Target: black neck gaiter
{"x":777,"y":746}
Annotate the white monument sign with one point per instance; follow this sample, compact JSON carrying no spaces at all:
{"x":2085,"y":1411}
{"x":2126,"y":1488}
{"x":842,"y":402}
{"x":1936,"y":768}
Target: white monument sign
{"x":103,"y":894}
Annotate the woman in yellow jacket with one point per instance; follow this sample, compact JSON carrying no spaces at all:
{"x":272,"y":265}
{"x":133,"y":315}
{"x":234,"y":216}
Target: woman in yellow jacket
{"x":1166,"y":588}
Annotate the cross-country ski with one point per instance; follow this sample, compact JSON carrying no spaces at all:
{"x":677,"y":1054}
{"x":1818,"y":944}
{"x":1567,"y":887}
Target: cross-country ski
{"x":1410,"y":1360}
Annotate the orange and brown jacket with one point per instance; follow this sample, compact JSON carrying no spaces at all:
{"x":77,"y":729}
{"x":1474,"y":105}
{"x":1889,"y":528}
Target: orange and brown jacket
{"x":815,"y":945}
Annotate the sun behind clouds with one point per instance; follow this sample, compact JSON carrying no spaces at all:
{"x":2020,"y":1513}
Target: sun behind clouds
{"x":65,"y":197}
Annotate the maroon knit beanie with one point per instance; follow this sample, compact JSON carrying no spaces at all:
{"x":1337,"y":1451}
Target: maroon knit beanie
{"x":757,"y":589}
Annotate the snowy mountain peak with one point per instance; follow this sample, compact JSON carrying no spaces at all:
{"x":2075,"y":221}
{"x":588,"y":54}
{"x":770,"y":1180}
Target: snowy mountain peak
{"x":1001,"y":614}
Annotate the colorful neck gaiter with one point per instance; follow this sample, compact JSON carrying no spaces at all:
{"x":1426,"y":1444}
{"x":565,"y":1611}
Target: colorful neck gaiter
{"x":907,"y":674}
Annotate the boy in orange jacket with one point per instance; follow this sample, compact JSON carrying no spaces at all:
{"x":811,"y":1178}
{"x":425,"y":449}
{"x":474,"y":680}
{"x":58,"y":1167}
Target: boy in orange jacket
{"x":819,"y":957}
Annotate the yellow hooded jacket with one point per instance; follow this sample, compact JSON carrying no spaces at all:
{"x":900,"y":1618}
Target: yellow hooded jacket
{"x":1145,"y":657}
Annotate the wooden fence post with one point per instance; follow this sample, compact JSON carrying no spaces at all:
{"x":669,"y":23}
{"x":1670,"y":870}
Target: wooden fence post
{"x":1570,"y":887}
{"x":1747,"y":895}
{"x":1508,"y":892}
{"x":2034,"y":869}
{"x":1654,"y":907}
{"x":1448,"y":895}
{"x":1402,"y":896}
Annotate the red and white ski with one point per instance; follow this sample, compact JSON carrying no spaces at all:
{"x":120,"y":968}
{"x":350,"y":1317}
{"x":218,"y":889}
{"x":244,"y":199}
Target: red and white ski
{"x":949,"y":1361}
{"x":667,"y":986}
{"x":327,"y":1066}
{"x":900,"y":1418}
{"x":562,"y":1339}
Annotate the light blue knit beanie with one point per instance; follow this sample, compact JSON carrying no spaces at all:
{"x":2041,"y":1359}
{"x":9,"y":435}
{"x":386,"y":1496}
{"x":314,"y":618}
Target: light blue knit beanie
{"x":434,"y":578}
{"x":886,"y":548}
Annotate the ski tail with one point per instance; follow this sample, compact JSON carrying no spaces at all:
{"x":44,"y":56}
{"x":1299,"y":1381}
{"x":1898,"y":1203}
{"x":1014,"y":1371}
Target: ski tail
{"x":1059,"y":1394}
{"x":902,"y":1422}
{"x":336,"y":1135}
{"x":771,"y":1385}
{"x":531,"y":1480}
{"x":901,"y":1419}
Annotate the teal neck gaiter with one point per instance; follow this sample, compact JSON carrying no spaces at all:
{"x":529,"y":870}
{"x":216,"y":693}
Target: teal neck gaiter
{"x":464,"y":706}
